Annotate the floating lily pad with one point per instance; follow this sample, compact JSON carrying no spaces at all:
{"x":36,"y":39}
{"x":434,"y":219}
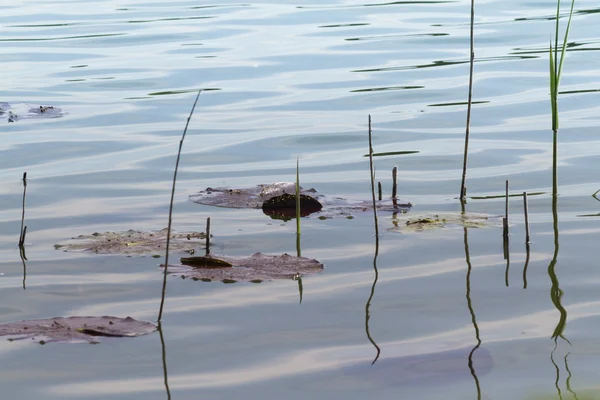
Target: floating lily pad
{"x":16,"y":112}
{"x":425,"y":222}
{"x":256,"y":268}
{"x":134,"y":242}
{"x":255,"y":197}
{"x":75,"y":329}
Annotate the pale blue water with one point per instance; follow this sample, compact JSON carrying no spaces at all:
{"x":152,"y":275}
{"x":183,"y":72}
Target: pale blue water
{"x":294,"y":80}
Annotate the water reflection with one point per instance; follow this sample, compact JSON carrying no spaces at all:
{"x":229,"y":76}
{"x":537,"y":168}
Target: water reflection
{"x":527,"y":257}
{"x":23,"y":259}
{"x":556,"y":292}
{"x":472,"y":312}
{"x":376,"y":224}
{"x":164,"y":360}
{"x":557,"y":369}
{"x":368,"y":304}
{"x":506,"y":250}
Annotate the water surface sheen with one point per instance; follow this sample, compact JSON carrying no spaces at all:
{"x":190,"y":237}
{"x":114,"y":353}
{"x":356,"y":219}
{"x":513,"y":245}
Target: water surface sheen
{"x":443,"y":315}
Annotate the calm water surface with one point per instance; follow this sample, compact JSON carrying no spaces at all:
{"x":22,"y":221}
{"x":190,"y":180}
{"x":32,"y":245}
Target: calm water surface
{"x":285,"y":80}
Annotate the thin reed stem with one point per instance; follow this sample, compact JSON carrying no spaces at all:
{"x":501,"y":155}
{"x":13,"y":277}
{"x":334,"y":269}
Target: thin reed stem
{"x":23,"y":228}
{"x":164,"y":284}
{"x":372,"y":177}
{"x":463,"y":191}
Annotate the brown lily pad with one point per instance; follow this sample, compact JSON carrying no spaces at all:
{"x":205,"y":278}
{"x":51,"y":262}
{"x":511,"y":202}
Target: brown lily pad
{"x":75,"y":329}
{"x":256,"y":268}
{"x":134,"y":242}
{"x":256,"y":197}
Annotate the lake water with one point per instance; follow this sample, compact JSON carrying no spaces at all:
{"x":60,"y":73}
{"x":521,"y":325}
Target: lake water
{"x":282,"y":80}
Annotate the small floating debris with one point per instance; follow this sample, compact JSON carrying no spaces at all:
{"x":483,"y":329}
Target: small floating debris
{"x":256,"y":268}
{"x":425,"y":222}
{"x":75,"y":329}
{"x":269,"y":196}
{"x":134,"y":242}
{"x":19,"y":111}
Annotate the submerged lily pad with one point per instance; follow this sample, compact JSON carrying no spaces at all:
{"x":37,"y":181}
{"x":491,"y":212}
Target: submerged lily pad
{"x":134,"y":242}
{"x":75,"y":329}
{"x":16,"y":112}
{"x":255,"y":197}
{"x":425,"y":222}
{"x":256,"y":268}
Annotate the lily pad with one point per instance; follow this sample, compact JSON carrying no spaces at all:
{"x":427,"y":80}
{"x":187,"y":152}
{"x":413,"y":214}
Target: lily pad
{"x":134,"y":242}
{"x":256,"y":268}
{"x":426,"y":222}
{"x":19,"y":111}
{"x":256,"y":196}
{"x":75,"y":329}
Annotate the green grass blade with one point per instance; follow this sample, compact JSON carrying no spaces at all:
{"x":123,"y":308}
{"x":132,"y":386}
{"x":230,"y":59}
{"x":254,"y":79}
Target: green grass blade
{"x":553,"y":90}
{"x":556,"y":26}
{"x":564,"y":45}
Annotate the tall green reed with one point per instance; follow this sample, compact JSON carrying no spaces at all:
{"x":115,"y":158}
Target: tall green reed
{"x":556,"y":65}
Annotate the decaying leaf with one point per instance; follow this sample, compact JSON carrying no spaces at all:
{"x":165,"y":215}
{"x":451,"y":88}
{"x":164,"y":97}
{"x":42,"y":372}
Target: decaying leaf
{"x":75,"y":329}
{"x":134,"y":242}
{"x":256,"y":268}
{"x":424,"y":222}
{"x":256,"y":196}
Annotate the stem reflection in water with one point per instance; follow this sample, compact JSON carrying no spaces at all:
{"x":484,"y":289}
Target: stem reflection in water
{"x":164,"y":360}
{"x":556,"y":292}
{"x":472,"y":312}
{"x":23,"y":259}
{"x":368,"y":305}
{"x":527,"y":256}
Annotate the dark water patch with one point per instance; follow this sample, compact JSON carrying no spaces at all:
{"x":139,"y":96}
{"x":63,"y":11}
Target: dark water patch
{"x":393,"y":3}
{"x":458,"y":103}
{"x":141,"y":21}
{"x":382,"y":89}
{"x":171,"y":92}
{"x":44,"y":39}
{"x":392,"y":153}
{"x":383,"y":37}
{"x":345,"y":25}
{"x":42,"y":25}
